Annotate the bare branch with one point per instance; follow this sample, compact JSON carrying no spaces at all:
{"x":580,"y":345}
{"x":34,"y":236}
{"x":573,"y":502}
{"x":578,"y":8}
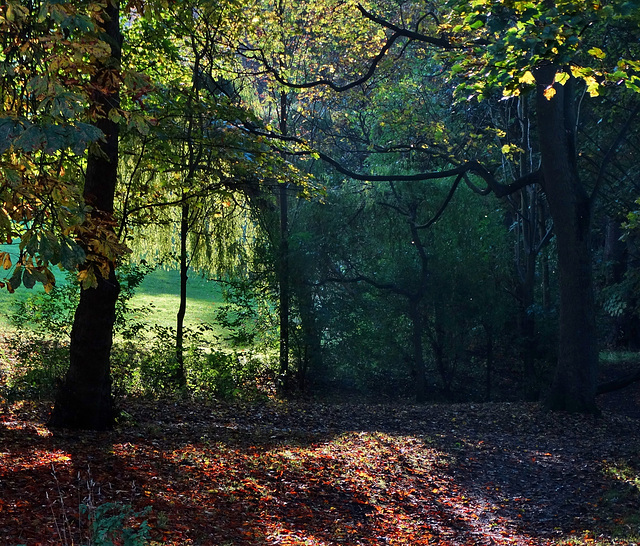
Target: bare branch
{"x":545,"y":239}
{"x":373,"y":282}
{"x":398,"y":32}
{"x":502,"y":190}
{"x":444,"y":205}
{"x":442,"y":43}
{"x":307,"y":85}
{"x":460,"y":172}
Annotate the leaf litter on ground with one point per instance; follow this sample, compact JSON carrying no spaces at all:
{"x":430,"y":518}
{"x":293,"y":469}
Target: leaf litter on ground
{"x":299,"y":473}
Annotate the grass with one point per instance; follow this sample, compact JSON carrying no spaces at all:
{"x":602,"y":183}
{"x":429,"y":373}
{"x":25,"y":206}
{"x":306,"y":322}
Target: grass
{"x":159,"y":290}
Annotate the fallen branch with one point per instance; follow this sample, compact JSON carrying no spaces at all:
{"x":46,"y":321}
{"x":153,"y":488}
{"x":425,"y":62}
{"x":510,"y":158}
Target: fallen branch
{"x":620,"y":383}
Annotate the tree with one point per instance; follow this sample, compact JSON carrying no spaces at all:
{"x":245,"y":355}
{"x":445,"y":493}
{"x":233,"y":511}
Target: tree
{"x":550,"y":49}
{"x":44,"y":135}
{"x":84,"y":399}
{"x":204,"y":163}
{"x":47,"y":130}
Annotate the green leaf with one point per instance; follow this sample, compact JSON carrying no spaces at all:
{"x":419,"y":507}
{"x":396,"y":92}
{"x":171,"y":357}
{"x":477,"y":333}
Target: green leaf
{"x":71,"y":254}
{"x":28,"y":279}
{"x":31,"y":139}
{"x":16,"y":278}
{"x":30,"y":243}
{"x":49,"y":248}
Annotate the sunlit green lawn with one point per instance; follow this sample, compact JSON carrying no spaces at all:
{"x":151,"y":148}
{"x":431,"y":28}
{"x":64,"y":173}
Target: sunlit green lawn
{"x":159,"y":290}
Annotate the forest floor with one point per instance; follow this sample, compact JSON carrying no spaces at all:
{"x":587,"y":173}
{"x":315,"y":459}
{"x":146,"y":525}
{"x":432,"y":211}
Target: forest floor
{"x":217,"y":474}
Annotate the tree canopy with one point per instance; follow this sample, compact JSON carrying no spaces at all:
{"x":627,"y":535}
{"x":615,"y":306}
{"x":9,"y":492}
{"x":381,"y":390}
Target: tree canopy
{"x":426,"y":141}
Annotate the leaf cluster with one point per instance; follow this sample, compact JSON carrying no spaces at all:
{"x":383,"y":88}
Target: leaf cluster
{"x":515,"y":38}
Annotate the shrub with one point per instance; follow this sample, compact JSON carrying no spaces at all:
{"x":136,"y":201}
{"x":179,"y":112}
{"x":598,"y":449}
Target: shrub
{"x":37,"y":365}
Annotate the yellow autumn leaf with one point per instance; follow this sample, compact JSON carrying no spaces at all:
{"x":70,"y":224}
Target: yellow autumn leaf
{"x":597,"y":53}
{"x":562,"y":77}
{"x":527,"y":78}
{"x":593,"y":87}
{"x":87,"y":278}
{"x":576,"y":71}
{"x":549,"y":92}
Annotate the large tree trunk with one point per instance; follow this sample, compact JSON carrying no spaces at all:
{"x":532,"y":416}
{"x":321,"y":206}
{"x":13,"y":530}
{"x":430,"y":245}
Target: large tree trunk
{"x":84,"y":398}
{"x":575,"y":382}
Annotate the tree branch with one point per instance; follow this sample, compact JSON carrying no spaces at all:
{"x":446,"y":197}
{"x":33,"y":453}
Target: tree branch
{"x":618,"y":384}
{"x":442,"y":43}
{"x":362,"y":278}
{"x":502,"y":190}
{"x":397,"y":32}
{"x":461,"y":171}
{"x":339,"y":88}
{"x":444,"y":205}
{"x":611,"y":152}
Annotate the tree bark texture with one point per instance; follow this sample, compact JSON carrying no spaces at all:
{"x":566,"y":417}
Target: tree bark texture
{"x":84,"y":398}
{"x":575,"y":381}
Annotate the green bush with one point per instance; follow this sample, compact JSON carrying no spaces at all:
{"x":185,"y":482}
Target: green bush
{"x":143,"y":365}
{"x":39,"y":351}
{"x":227,"y":375}
{"x":152,"y":369}
{"x":110,"y":525}
{"x":37,"y":366}
{"x":51,"y":314}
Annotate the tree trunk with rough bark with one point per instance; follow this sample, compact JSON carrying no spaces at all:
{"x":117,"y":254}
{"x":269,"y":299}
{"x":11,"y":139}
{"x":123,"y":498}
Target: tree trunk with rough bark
{"x":575,"y":382}
{"x":84,"y":398}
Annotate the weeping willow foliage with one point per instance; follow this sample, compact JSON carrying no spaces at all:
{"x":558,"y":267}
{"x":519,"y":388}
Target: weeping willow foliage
{"x":219,"y":239}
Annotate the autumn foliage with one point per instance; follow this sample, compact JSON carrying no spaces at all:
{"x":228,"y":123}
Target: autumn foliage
{"x":321,"y":475}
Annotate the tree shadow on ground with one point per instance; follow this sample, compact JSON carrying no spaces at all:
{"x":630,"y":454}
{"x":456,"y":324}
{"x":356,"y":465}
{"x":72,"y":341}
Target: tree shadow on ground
{"x":220,"y":474}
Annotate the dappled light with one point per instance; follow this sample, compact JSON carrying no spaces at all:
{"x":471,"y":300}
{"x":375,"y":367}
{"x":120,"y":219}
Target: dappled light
{"x":320,"y":272}
{"x":321,"y":474}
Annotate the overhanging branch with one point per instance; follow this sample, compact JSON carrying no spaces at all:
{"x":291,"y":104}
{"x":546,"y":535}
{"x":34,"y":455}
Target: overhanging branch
{"x":323,"y":81}
{"x":368,"y":280}
{"x":442,"y":43}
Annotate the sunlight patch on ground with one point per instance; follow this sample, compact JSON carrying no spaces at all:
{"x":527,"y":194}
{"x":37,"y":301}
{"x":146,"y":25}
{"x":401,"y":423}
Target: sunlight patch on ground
{"x":20,"y":416}
{"x":34,"y":459}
